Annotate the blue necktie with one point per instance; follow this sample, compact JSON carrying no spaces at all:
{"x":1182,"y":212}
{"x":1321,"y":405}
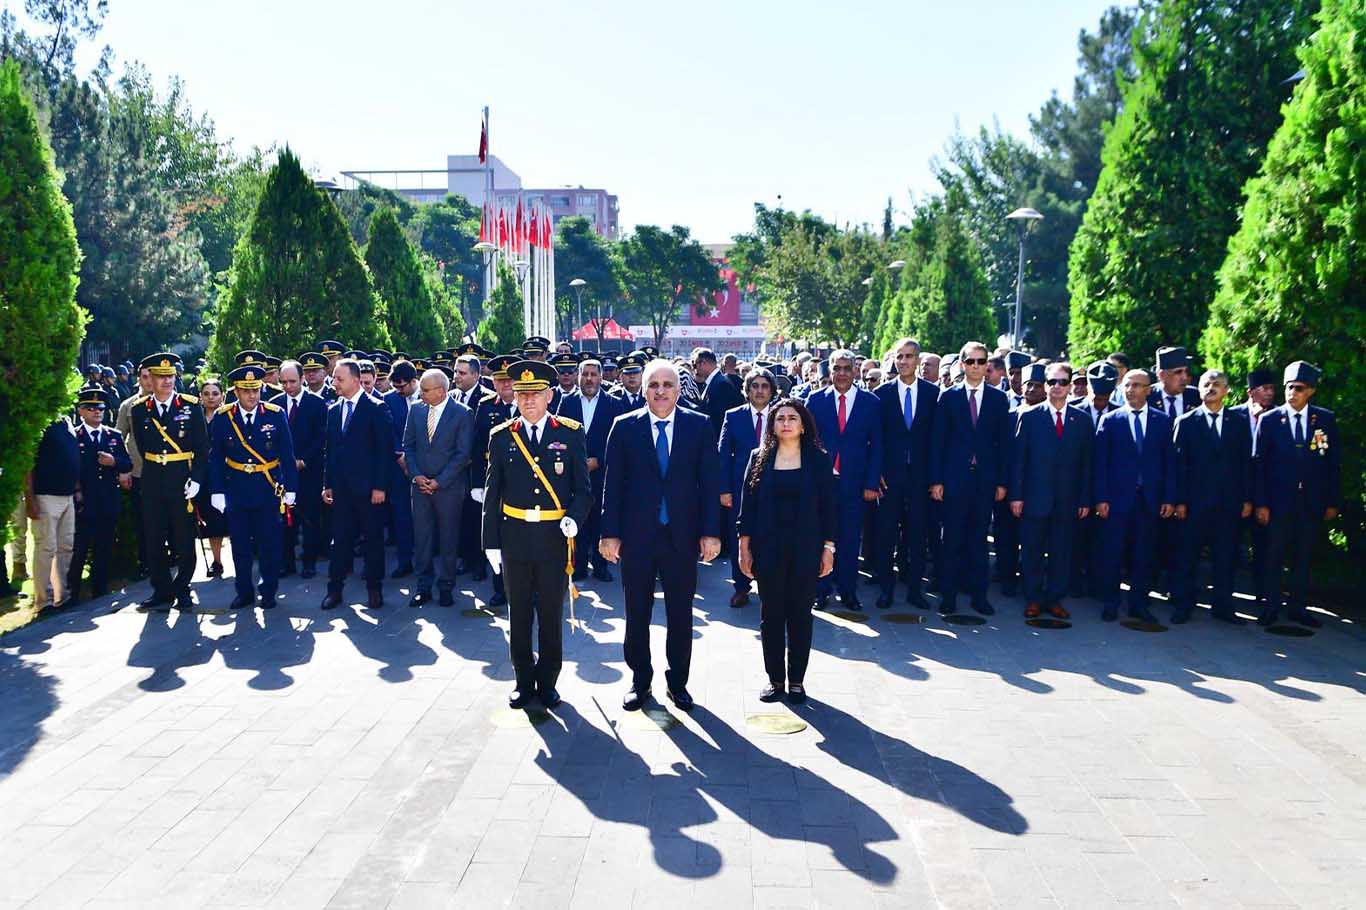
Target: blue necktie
{"x":908,"y":412}
{"x":346,"y":416}
{"x":662,"y":453}
{"x":1138,"y":432}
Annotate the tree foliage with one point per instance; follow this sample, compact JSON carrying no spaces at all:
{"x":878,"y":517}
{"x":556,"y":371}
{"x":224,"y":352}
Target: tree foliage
{"x":503,"y":329}
{"x":40,"y":323}
{"x":581,"y":253}
{"x":660,"y":270}
{"x":296,"y":276}
{"x":1195,"y":123}
{"x":414,"y":323}
{"x":1294,"y":283}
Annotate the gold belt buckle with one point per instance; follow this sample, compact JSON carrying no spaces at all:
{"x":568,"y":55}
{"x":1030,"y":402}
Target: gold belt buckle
{"x":249,"y":467}
{"x":533,"y":514}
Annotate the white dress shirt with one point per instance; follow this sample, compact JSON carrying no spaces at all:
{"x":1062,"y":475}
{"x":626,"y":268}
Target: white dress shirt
{"x":540,"y":428}
{"x":901,"y":388}
{"x":668,"y":428}
{"x":439,"y":409}
{"x":589,"y":406}
{"x":1206,"y":414}
{"x":1142,"y":419}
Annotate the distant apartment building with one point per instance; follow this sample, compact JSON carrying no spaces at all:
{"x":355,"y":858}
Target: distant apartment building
{"x":465,"y":176}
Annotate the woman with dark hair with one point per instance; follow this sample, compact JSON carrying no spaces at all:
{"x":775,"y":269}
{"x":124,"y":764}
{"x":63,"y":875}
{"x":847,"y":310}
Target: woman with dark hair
{"x":787,"y":528}
{"x":213,"y":524}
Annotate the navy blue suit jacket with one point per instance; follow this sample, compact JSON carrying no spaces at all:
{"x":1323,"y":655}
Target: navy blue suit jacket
{"x":359,"y":460}
{"x":1117,"y":465}
{"x":100,"y":484}
{"x":609,"y":409}
{"x":736,"y":442}
{"x":1283,"y":471}
{"x":956,"y":441}
{"x":1051,"y":476}
{"x":308,"y":430}
{"x":1157,"y":399}
{"x":858,"y":450}
{"x":1213,"y":472}
{"x":633,"y":485}
{"x":719,"y":397}
{"x":906,"y":453}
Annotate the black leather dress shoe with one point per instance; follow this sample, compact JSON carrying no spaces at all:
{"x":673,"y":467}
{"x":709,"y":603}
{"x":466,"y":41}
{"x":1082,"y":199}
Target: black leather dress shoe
{"x":420,"y":598}
{"x":772,"y":693}
{"x":403,"y":571}
{"x":242,"y":601}
{"x":796,"y":693}
{"x":550,"y":698}
{"x":604,"y":574}
{"x":681,"y":698}
{"x":498,"y":600}
{"x":1305,"y":618}
{"x":850,"y":602}
{"x":822,"y":602}
{"x":946,"y":606}
{"x":739,"y":599}
{"x":185,"y":602}
{"x":883,"y":601}
{"x":157,"y":600}
{"x":446,"y":599}
{"x":520,"y":699}
{"x":635,"y":699}
{"x":331,"y":601}
{"x":984,"y":607}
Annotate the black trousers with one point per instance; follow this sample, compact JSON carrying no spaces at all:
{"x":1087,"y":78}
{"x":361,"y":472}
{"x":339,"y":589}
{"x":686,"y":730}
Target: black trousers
{"x":136,"y":494}
{"x":352,"y":515}
{"x":1005,"y":538}
{"x":166,"y":522}
{"x":586,"y":543}
{"x":786,"y":592}
{"x":677,"y":572}
{"x":964,"y":553}
{"x":306,"y":522}
{"x":901,"y":535}
{"x":1290,"y":536}
{"x":1086,"y":552}
{"x":1217,"y":529}
{"x":1046,"y":556}
{"x":535,"y":590}
{"x":1257,"y":542}
{"x":94,"y":540}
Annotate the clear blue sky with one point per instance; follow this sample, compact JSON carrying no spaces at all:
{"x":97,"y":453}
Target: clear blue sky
{"x":689,"y":112}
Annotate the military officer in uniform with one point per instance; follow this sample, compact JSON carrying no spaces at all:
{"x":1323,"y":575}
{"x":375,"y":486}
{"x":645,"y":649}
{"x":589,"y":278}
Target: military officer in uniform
{"x":537,"y":347}
{"x":315,"y":369}
{"x":253,"y":480}
{"x":168,"y":429}
{"x":103,"y":459}
{"x":537,"y":494}
{"x":1297,"y":488}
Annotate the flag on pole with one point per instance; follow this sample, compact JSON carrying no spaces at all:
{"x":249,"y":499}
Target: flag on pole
{"x":483,"y":142}
{"x":484,"y":223}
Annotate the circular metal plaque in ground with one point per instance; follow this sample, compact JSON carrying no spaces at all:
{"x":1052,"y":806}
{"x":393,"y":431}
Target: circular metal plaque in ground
{"x":904,"y":619}
{"x":1290,"y":631}
{"x":850,"y":615}
{"x":1048,"y":622}
{"x":513,"y":718}
{"x":1139,"y":625}
{"x":655,"y":717}
{"x":212,"y":611}
{"x":479,"y":613}
{"x":965,"y":619}
{"x":775,"y":724}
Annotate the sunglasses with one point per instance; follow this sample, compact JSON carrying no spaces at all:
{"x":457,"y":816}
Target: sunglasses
{"x":1057,"y":382}
{"x":973,"y":361}
{"x":1296,"y":387}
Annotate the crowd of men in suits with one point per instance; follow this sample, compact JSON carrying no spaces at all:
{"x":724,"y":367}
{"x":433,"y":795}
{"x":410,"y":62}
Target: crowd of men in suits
{"x":547,"y":466}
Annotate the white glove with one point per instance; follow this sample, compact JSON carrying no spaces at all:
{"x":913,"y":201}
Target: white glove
{"x":569,"y":527}
{"x":219,"y":502}
{"x":477,"y":494}
{"x":495,"y":560}
{"x":289,"y":498}
{"x":191,"y":489}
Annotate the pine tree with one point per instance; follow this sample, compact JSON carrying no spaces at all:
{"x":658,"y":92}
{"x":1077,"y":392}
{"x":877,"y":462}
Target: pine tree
{"x":1294,"y":284}
{"x":1193,"y":129}
{"x":414,"y":322}
{"x":40,"y":324}
{"x":296,"y":276}
{"x":947,"y":300}
{"x":502,"y":329}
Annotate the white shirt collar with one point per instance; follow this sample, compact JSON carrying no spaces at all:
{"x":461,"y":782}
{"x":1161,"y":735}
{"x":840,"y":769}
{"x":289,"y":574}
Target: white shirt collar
{"x":1060,"y":410}
{"x":903,"y":386}
{"x":755,"y":413}
{"x":667,"y":418}
{"x":974,"y":388}
{"x":441,"y":406}
{"x":251,"y":413}
{"x":1142,"y":412}
{"x":539,"y":425}
{"x":1291,"y":408}
{"x":356,"y":397}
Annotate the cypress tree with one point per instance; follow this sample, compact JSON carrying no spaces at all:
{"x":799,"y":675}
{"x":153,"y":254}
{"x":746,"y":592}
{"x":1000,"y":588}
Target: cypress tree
{"x":947,"y":300}
{"x":1294,"y":283}
{"x":502,"y":329}
{"x":296,"y":276}
{"x":40,"y":324}
{"x":414,"y":322}
{"x":1193,"y":129}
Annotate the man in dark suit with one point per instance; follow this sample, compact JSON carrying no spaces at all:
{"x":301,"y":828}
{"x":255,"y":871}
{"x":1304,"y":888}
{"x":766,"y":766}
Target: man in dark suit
{"x":595,"y":410}
{"x":398,"y":502}
{"x":1135,"y":485}
{"x":719,"y":395}
{"x":969,"y":470}
{"x":436,"y":451}
{"x":1213,"y":447}
{"x":741,"y":433}
{"x":907,"y":405}
{"x":1050,"y":490}
{"x":1298,"y":488}
{"x":358,"y":456}
{"x":660,"y":511}
{"x":98,"y":499}
{"x":1261,"y":398}
{"x":849,"y":421}
{"x":306,"y":415}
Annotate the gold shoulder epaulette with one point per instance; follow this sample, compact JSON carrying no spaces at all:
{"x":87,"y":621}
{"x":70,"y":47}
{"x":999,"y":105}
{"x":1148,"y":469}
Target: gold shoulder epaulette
{"x":225,"y":408}
{"x":270,"y":407}
{"x":140,"y":399}
{"x":192,"y":399}
{"x":502,"y":426}
{"x":569,"y":422}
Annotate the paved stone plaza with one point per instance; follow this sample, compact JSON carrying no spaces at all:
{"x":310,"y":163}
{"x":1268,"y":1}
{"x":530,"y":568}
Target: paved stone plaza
{"x":291,"y":758}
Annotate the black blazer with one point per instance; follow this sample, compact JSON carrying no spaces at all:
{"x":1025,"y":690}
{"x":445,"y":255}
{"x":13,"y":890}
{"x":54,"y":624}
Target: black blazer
{"x":817,"y":520}
{"x":358,"y":460}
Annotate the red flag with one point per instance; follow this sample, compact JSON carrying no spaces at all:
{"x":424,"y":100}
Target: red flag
{"x":483,"y":142}
{"x":502,"y":227}
{"x":484,"y":223}
{"x":519,"y":238}
{"x":547,"y":233}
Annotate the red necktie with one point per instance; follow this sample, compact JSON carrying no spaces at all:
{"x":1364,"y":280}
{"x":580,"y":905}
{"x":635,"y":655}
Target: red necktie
{"x":1058,"y":425}
{"x":759,"y":429}
{"x":972,"y":406}
{"x":843,"y":416}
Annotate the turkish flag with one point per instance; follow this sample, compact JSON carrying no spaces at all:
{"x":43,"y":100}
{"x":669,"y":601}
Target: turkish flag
{"x":483,"y":143}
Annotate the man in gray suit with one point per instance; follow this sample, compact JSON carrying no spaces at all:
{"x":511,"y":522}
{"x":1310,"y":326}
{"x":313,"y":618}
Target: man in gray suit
{"x":436,"y":448}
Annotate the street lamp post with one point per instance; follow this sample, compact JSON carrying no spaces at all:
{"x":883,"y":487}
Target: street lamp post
{"x":578,"y":284}
{"x":486,"y":249}
{"x":1023,"y":218}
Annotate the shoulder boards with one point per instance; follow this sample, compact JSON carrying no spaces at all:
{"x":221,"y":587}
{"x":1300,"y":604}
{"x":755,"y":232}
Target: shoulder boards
{"x":502,"y":426}
{"x":140,"y":399}
{"x":225,"y":409}
{"x":270,"y":407}
{"x":569,"y":422}
{"x":191,"y":399}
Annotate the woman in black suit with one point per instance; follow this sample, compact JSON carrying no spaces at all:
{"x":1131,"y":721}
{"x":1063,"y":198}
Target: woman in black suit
{"x":786,"y":531}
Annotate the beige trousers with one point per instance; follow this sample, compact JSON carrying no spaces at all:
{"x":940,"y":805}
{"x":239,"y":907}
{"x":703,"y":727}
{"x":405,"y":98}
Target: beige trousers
{"x":53,"y":533}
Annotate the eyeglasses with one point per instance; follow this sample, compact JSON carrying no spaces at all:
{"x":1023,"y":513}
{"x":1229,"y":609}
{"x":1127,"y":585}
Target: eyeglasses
{"x":1057,"y":382}
{"x":973,"y":361}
